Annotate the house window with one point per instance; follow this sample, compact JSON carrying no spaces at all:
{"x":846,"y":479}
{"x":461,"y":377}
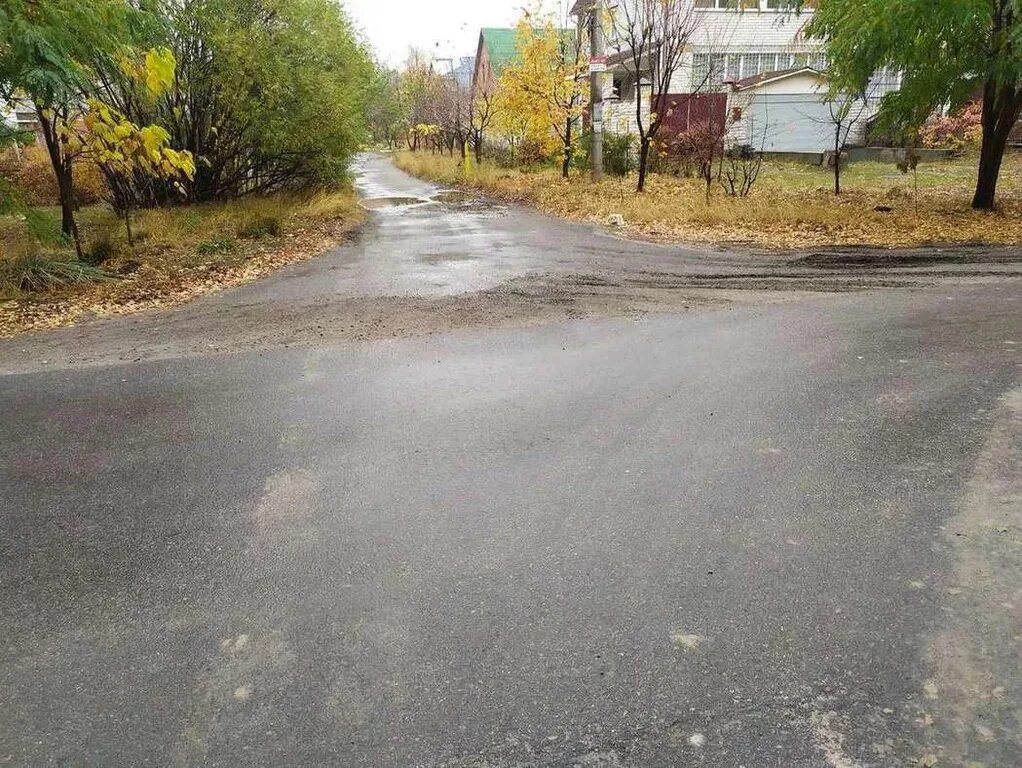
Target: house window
{"x":885,"y":81}
{"x":734,"y":67}
{"x":708,"y":71}
{"x":757,"y":63}
{"x":700,"y":69}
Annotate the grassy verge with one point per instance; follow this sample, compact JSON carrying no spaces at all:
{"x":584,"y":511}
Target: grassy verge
{"x":791,"y":206}
{"x":179,"y":253}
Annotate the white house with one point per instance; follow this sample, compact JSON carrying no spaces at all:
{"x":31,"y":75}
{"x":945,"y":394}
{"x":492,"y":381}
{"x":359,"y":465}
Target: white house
{"x":769,"y":77}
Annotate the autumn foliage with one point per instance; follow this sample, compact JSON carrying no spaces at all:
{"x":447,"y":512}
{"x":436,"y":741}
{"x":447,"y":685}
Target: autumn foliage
{"x":542,"y":94}
{"x":960,"y":130}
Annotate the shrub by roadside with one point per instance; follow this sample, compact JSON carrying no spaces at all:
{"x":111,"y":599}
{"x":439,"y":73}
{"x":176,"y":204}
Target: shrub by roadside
{"x":790,"y":207}
{"x":179,"y":253}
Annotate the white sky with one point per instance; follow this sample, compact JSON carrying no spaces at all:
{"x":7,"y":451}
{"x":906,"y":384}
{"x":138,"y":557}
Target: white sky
{"x":448,"y":28}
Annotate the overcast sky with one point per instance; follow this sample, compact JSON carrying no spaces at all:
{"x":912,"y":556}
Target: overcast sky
{"x":446,"y":27}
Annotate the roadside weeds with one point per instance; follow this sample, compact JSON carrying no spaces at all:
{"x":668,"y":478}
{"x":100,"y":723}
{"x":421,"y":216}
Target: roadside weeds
{"x":191,"y":252}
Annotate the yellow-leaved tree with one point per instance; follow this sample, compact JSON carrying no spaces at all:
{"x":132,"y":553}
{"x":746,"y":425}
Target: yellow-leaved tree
{"x":128,"y":154}
{"x":544,"y":91}
{"x":130,"y":157}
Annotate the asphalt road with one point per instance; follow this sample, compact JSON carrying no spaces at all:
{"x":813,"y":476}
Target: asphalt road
{"x":765,"y":534}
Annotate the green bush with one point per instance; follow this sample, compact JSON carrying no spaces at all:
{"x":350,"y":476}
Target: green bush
{"x":102,"y":249}
{"x":216,"y":246}
{"x":40,"y":273}
{"x":260,"y":226}
{"x":619,"y":154}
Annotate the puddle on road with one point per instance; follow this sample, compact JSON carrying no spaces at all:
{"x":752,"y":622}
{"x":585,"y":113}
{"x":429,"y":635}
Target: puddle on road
{"x":455,"y":196}
{"x":442,"y":258}
{"x":467,"y":203}
{"x":376,"y":203}
{"x":456,"y":200}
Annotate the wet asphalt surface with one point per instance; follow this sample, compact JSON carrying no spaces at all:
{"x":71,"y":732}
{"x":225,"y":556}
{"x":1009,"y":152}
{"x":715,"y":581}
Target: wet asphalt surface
{"x":725,"y":538}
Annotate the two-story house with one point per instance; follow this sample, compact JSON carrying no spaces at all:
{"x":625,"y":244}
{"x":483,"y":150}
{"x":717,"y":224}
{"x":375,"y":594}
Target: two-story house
{"x":751,"y":61}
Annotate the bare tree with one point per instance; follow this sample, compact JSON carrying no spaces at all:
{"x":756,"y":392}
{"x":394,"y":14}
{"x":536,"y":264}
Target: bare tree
{"x":845,"y":111}
{"x":739,"y":169}
{"x":651,"y":37}
{"x":706,"y":143}
{"x":452,"y":105}
{"x":483,"y":111}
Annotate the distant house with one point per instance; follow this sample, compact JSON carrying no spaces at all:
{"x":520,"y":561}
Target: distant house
{"x":460,"y":70}
{"x":757,"y":56}
{"x":497,"y":48}
{"x":21,"y":116}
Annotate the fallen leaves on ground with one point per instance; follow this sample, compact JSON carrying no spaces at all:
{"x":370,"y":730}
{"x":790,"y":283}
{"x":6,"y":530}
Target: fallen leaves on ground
{"x":791,"y":207}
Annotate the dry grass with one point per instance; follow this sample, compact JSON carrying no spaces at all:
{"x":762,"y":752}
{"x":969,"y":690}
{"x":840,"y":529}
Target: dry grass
{"x":791,"y":206}
{"x":179,"y":253}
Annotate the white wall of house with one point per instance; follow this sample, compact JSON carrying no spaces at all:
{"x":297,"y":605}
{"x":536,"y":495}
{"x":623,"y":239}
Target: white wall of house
{"x":789,"y":114}
{"x":19,"y":115}
{"x":8,"y":115}
{"x":727,"y":43}
{"x":735,"y":44}
{"x":619,"y":109}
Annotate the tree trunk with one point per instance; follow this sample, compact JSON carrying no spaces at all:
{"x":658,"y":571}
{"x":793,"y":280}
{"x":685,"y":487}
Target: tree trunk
{"x":643,"y":163}
{"x":1001,"y":106}
{"x":837,"y":161}
{"x":479,"y":147}
{"x":64,"y":173}
{"x":65,"y":185}
{"x":127,"y":226}
{"x":566,"y":165}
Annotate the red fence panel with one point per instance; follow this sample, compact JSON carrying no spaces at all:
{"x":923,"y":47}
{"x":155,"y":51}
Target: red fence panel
{"x":691,"y":111}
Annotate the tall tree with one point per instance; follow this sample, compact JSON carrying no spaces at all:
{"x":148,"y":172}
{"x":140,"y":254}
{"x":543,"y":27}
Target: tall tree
{"x":384,"y":114}
{"x":548,"y":79}
{"x":419,"y":93}
{"x":652,"y":37}
{"x":268,"y":95}
{"x":948,"y":51}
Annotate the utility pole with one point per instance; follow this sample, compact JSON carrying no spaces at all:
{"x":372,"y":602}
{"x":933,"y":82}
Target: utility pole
{"x":597,"y":66}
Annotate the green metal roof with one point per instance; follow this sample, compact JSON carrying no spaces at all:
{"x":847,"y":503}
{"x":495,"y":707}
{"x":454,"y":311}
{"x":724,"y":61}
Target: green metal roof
{"x":501,"y":46}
